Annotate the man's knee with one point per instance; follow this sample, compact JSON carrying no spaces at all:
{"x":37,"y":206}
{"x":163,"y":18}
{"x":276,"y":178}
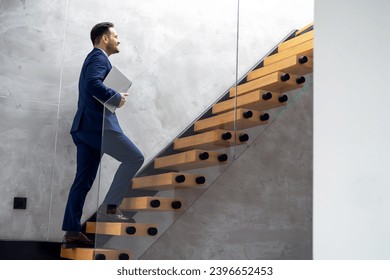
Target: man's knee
{"x":141,"y":159}
{"x":134,"y":158}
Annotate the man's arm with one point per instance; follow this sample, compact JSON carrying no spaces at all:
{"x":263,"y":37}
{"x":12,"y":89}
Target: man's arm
{"x":95,"y":74}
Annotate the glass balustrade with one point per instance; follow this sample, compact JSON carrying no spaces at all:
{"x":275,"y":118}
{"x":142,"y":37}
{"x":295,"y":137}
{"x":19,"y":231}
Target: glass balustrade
{"x":182,"y":161}
{"x":200,"y":142}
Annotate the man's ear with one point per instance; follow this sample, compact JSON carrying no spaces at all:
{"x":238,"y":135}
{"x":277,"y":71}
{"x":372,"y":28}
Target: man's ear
{"x":105,"y":38}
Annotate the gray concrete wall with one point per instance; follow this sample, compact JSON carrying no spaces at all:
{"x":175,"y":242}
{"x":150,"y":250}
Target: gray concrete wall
{"x":180,"y":56}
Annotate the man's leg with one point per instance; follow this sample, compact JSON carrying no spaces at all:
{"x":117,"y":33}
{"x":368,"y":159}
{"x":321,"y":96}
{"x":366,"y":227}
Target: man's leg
{"x":122,"y":149}
{"x":88,"y":159}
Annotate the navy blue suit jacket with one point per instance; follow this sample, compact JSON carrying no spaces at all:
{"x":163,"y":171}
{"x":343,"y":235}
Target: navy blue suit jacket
{"x":89,"y":115}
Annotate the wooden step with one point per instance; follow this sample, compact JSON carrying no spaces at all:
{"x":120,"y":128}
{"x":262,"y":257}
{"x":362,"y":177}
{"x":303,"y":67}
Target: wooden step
{"x":303,"y":29}
{"x":95,"y":254}
{"x":296,"y":41}
{"x":122,"y":229}
{"x":168,"y":181}
{"x":211,"y":140}
{"x":242,"y":119}
{"x":188,"y":160}
{"x":276,"y":82}
{"x":151,"y":203}
{"x":299,"y":65}
{"x":303,"y":49}
{"x":257,"y":100}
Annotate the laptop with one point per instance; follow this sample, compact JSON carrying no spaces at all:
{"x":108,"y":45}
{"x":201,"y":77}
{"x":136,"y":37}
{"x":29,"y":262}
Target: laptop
{"x":117,"y":81}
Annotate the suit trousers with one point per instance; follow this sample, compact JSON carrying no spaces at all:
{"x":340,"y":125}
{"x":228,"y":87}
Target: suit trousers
{"x":90,"y":149}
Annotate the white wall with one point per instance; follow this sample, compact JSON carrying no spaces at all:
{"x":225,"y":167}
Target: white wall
{"x":351,"y":130}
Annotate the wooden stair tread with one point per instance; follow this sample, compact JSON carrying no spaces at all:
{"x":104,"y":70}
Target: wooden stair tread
{"x":276,"y":82}
{"x":305,"y":48}
{"x":228,"y":119}
{"x":151,"y":203}
{"x":211,"y":140}
{"x":122,"y":229}
{"x":94,"y":253}
{"x":294,"y":64}
{"x":189,"y":160}
{"x":303,"y":29}
{"x":169,"y":180}
{"x":296,"y":41}
{"x":253,"y":101}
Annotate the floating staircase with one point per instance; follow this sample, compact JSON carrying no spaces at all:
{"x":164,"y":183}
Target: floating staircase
{"x":206,"y":144}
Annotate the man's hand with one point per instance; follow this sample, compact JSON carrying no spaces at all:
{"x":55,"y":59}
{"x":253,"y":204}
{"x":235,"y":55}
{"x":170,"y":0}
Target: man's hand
{"x":123,"y":99}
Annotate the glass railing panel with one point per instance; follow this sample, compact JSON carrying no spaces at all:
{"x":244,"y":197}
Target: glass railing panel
{"x":261,"y":29}
{"x":173,"y":179}
{"x":182,"y":156}
{"x":272,"y":173}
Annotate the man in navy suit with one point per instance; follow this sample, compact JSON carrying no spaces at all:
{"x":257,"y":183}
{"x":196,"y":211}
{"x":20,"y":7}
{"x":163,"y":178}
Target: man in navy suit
{"x":87,"y":133}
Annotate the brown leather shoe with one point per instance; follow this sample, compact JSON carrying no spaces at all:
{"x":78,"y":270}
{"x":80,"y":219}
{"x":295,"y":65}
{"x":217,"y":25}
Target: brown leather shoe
{"x":79,"y":240}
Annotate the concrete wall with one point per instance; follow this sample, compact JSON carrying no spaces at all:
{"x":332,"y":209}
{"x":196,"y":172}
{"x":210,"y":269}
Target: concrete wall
{"x":180,"y":56}
{"x":351,"y":130}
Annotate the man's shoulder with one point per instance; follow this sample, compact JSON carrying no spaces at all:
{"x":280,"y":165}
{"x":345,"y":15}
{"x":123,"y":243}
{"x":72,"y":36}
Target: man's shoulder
{"x":96,"y":55}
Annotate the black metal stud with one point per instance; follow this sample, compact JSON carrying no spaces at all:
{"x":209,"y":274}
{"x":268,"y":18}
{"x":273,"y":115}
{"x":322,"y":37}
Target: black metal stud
{"x":243,"y":137}
{"x":152,"y":231}
{"x":264,"y":117}
{"x":303,"y":59}
{"x":200,"y":180}
{"x":131,"y":230}
{"x":155,"y":203}
{"x":300,"y":80}
{"x":176,"y":204}
{"x":204,"y":156}
{"x":283,"y":98}
{"x":285,"y":77}
{"x":222,"y":157}
{"x":247,"y":114}
{"x":180,"y":178}
{"x":226,"y":136}
{"x":100,"y":257}
{"x":267,"y":96}
{"x":124,"y":256}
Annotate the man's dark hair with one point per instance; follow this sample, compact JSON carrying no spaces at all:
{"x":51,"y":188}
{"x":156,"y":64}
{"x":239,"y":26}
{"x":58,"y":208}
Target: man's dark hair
{"x":99,"y":30}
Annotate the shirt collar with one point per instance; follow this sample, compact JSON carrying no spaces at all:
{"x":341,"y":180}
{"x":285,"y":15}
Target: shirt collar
{"x":103,"y":51}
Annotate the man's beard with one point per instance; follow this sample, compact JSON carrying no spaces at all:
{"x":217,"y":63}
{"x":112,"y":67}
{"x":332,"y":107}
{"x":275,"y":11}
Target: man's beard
{"x":113,"y":49}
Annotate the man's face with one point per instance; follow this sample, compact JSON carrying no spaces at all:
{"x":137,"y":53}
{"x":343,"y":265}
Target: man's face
{"x":112,"y":42}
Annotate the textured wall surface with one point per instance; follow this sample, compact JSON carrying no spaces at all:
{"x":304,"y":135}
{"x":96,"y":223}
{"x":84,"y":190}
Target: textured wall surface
{"x":30,"y":79}
{"x":180,"y":56}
